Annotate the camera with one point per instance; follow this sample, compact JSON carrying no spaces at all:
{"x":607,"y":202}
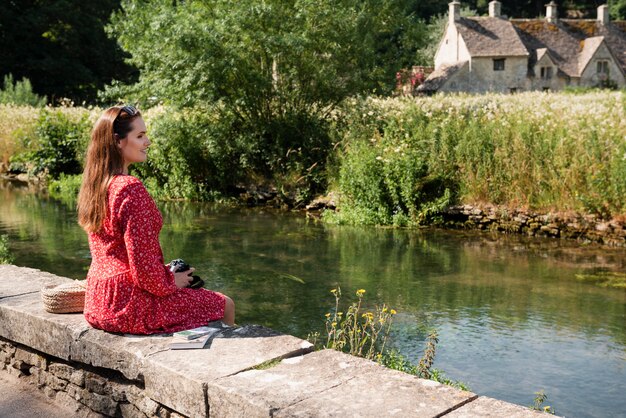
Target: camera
{"x":179,"y":265}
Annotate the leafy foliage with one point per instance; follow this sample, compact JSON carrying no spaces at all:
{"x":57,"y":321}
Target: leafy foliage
{"x":5,"y":254}
{"x":66,"y":188}
{"x":19,"y":93}
{"x":56,"y":145}
{"x":270,"y":73}
{"x":190,"y":156}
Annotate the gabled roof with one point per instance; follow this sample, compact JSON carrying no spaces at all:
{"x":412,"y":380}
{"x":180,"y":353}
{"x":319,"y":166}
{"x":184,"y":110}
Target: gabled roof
{"x":590,"y":47}
{"x":437,"y":78}
{"x":567,"y":40}
{"x":541,"y":52}
{"x":490,"y":37}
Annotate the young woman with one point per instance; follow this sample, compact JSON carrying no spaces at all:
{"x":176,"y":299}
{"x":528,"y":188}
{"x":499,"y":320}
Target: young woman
{"x":129,"y":288}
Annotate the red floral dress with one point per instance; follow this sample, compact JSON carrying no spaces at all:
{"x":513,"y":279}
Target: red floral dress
{"x":129,"y":288}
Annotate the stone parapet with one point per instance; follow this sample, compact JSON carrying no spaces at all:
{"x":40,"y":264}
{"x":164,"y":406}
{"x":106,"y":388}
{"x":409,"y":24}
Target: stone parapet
{"x":249,"y":371}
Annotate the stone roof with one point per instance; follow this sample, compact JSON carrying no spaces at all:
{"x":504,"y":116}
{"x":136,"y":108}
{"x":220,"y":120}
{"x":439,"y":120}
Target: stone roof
{"x":567,"y":39}
{"x":490,"y":37}
{"x":437,"y":78}
{"x":590,"y":46}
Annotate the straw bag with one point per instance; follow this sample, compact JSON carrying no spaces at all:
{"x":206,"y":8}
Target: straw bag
{"x":64,"y":298}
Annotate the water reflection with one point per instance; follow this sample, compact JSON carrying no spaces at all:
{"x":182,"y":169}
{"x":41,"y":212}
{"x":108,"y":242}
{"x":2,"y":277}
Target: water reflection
{"x":511,"y":316}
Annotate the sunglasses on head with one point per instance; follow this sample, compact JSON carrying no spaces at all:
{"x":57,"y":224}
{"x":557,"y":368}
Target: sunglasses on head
{"x":129,"y":110}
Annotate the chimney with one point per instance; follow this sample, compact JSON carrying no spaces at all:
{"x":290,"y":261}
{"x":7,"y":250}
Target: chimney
{"x":454,"y":14}
{"x":495,"y":8}
{"x":603,"y":14}
{"x":551,"y":15}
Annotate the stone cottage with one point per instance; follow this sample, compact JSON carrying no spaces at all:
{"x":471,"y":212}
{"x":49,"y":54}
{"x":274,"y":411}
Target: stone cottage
{"x":494,"y":53}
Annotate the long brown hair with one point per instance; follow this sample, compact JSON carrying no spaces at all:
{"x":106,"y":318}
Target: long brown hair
{"x":103,"y":161}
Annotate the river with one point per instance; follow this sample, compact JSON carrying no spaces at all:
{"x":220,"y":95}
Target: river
{"x":511,"y":316}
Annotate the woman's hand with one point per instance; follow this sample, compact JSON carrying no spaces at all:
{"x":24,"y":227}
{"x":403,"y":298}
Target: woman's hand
{"x":183,"y":278}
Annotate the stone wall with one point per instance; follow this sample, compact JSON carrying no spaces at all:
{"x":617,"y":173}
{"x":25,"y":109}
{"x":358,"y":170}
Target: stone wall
{"x":86,"y":391}
{"x":248,"y":371}
{"x":584,"y":228}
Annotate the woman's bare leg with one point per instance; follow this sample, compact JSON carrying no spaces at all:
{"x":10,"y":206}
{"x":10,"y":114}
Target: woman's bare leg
{"x":229,"y":312}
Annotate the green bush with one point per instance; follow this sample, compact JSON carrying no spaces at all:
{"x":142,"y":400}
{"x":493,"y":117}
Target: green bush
{"x":66,"y":188}
{"x":56,"y":146}
{"x":19,"y":93}
{"x":192,"y":156}
{"x":5,"y":253}
{"x":388,"y":174}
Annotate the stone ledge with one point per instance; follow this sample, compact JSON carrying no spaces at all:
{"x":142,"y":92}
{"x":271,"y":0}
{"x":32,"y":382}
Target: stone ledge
{"x":220,"y":380}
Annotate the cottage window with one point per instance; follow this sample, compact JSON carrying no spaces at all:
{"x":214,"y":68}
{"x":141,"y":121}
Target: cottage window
{"x":603,"y":68}
{"x":498,"y":64}
{"x":546,"y":73}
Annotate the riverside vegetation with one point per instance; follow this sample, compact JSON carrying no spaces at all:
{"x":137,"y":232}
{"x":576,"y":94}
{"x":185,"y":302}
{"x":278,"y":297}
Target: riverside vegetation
{"x":364,"y":333}
{"x":391,"y":161}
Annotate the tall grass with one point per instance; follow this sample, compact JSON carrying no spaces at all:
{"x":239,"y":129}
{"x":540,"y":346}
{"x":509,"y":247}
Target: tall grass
{"x":406,"y":157}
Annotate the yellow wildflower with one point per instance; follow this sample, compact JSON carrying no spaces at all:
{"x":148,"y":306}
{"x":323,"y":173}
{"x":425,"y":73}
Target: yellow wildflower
{"x":328,"y":315}
{"x":360,"y":292}
{"x":393,"y":312}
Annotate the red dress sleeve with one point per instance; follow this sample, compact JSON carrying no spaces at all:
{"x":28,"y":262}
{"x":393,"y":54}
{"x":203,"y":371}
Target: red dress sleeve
{"x":141,"y":223}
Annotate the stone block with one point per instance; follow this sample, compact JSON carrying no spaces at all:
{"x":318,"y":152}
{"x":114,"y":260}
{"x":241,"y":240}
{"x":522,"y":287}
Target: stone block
{"x":7,"y":347}
{"x":178,"y":378}
{"x":148,"y":406}
{"x":118,"y":391}
{"x":55,"y":383}
{"x":49,"y":392}
{"x":31,"y":357}
{"x":24,"y":320}
{"x":36,"y":376}
{"x":96,"y":384}
{"x":130,"y":411}
{"x":100,"y":403}
{"x":485,"y":407}
{"x":22,"y":280}
{"x":60,"y":370}
{"x":76,"y":408}
{"x":124,"y":353}
{"x":329,"y":383}
{"x":76,"y":392}
{"x":78,"y":378}
{"x":15,"y":372}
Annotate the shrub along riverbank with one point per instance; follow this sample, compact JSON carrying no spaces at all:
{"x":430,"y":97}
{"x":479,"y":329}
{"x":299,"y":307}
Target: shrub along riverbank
{"x":390,"y":161}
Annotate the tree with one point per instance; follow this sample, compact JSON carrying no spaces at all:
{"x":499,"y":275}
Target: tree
{"x":275,"y":70}
{"x":60,"y":46}
{"x":618,"y":9}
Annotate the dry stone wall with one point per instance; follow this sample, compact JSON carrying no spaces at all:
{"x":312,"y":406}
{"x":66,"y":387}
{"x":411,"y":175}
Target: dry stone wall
{"x":585,"y":228}
{"x":86,"y":391}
